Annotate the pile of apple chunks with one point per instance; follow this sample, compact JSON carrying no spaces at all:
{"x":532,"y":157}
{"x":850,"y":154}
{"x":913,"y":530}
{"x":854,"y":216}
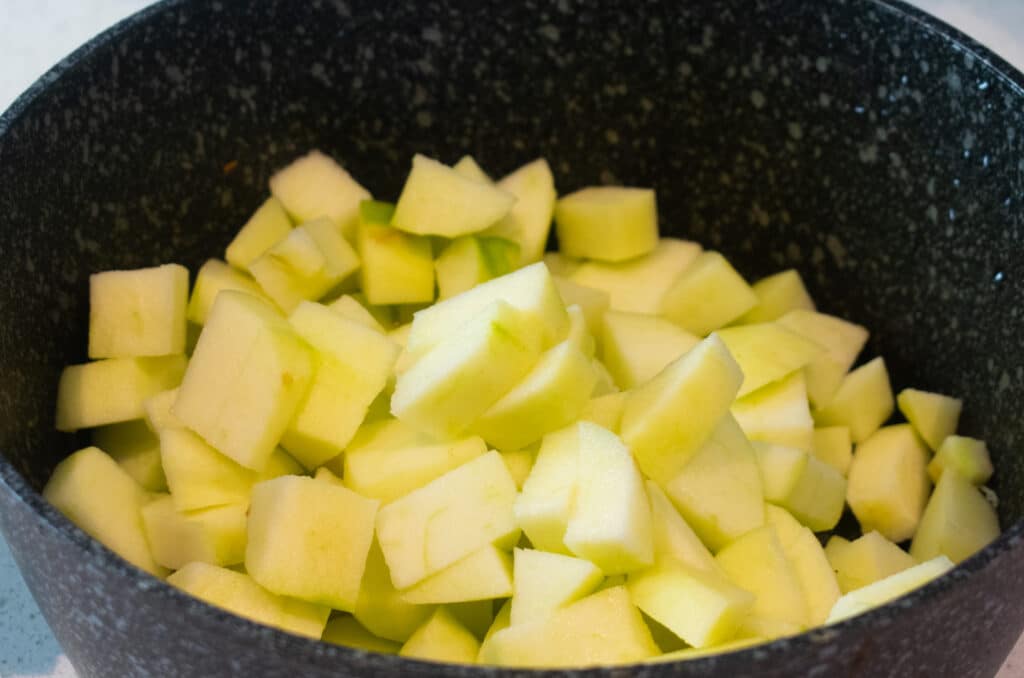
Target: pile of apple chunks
{"x":406,"y":428}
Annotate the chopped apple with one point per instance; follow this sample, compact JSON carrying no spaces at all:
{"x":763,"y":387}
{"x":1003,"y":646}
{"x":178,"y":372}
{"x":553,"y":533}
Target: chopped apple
{"x":98,"y":496}
{"x":842,"y":341}
{"x":549,"y":493}
{"x":767,"y":352}
{"x":485,"y":574}
{"x":607,"y":223}
{"x":778,"y":413}
{"x":674,"y":540}
{"x":468,"y":167}
{"x":593,"y":302}
{"x":442,"y":639}
{"x":862,"y":402}
{"x":268,"y":225}
{"x":215,"y":535}
{"x":777,"y":295}
{"x":933,"y":416}
{"x":470,"y":260}
{"x":968,"y":456}
{"x":351,"y":308}
{"x":397,"y":267}
{"x":545,"y":582}
{"x":892,"y":587}
{"x":136,"y":449}
{"x":957,"y":521}
{"x":381,"y":607}
{"x":813,"y":570}
{"x":534,"y":189}
{"x":810,"y":489}
{"x":347,"y":631}
{"x":158,"y":411}
{"x":707,"y":295}
{"x":888,"y":482}
{"x":635,"y":347}
{"x":316,"y":186}
{"x":113,"y":390}
{"x":213,"y":277}
{"x":605,"y":410}
{"x":579,"y":334}
{"x":832,"y":445}
{"x":865,"y":560}
{"x":702,"y":383}
{"x":392,"y":472}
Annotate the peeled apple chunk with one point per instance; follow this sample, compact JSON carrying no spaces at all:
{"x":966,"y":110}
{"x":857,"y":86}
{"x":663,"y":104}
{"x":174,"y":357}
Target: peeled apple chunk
{"x":674,"y":539}
{"x":485,"y":574}
{"x":396,"y":267}
{"x":807,"y":487}
{"x":549,"y":492}
{"x":890,"y":588}
{"x":215,"y":535}
{"x":607,"y":223}
{"x":309,"y":539}
{"x":470,"y":260}
{"x":346,"y":630}
{"x":437,"y":200}
{"x":444,"y":521}
{"x":777,"y":295}
{"x":813,"y":569}
{"x":545,"y":582}
{"x":778,"y":413}
{"x":767,"y":352}
{"x":316,"y":186}
{"x":593,"y":302}
{"x":702,"y":383}
{"x":865,"y":560}
{"x":967,"y":456}
{"x":862,"y":403}
{"x":605,"y":410}
{"x":468,"y":167}
{"x":213,"y":277}
{"x":842,"y":342}
{"x":442,"y":639}
{"x":603,"y":628}
{"x":138,"y":313}
{"x":113,"y":390}
{"x":246,"y":379}
{"x":135,"y":449}
{"x":349,"y":306}
{"x":382,"y":608}
{"x":269,"y":224}
{"x":635,"y":347}
{"x":238,"y":593}
{"x":888,"y":482}
{"x":392,"y":472}
{"x":832,"y":445}
{"x":957,"y":522}
{"x":98,"y":496}
{"x":707,"y":295}
{"x":933,"y":416}
{"x":534,"y":189}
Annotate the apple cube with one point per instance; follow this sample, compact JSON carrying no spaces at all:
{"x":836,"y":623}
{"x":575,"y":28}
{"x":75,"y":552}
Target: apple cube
{"x":549,"y":493}
{"x":967,"y":456}
{"x":485,"y":574}
{"x":135,"y":449}
{"x":842,"y":341}
{"x":98,"y":496}
{"x":579,"y":334}
{"x":389,"y":473}
{"x":248,"y":376}
{"x":548,"y":398}
{"x":888,"y":482}
{"x":674,"y":540}
{"x":810,"y":489}
{"x":592,"y":301}
{"x":862,"y":403}
{"x":159,"y":413}
{"x":777,"y":295}
{"x":213,"y":277}
{"x":606,"y":410}
{"x":702,"y":383}
{"x":268,"y":224}
{"x":468,"y":167}
{"x":444,"y":521}
{"x":397,"y":267}
{"x":767,"y":352}
{"x":437,"y":200}
{"x":545,"y":582}
{"x":833,"y":446}
{"x":470,"y":260}
{"x":138,"y":313}
{"x":933,"y":416}
{"x":345,"y":630}
{"x":215,"y":535}
{"x":607,"y":223}
{"x":442,"y":639}
{"x":309,"y":540}
{"x":534,"y":189}
{"x":892,"y":587}
{"x":316,"y":186}
{"x":113,"y":390}
{"x":239,"y":594}
{"x":718,"y":492}
{"x":811,"y":565}
{"x":957,"y":522}
{"x":707,"y":295}
{"x":778,"y":413}
{"x":381,"y":607}
{"x":349,"y":306}
{"x":635,"y":347}
{"x":638,"y":285}
{"x":865,"y":560}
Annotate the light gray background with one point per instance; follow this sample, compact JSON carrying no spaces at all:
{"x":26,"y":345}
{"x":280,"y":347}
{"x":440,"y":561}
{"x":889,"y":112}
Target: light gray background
{"x":34,"y":34}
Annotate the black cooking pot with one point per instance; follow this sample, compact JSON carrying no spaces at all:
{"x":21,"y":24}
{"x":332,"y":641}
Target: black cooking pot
{"x":870,"y":146}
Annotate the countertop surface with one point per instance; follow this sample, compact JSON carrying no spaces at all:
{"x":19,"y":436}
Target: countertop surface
{"x":37,"y":33}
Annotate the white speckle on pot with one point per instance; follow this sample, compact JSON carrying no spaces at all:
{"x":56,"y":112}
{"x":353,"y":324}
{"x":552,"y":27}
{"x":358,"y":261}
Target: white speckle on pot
{"x":795,"y":130}
{"x":757,"y":99}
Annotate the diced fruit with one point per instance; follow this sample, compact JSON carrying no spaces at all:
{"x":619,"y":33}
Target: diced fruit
{"x":238,"y":593}
{"x":268,"y":225}
{"x":215,"y":535}
{"x":807,"y":487}
{"x":397,"y":268}
{"x":579,"y":335}
{"x":389,"y":473}
{"x":326,"y":475}
{"x":719,"y":491}
{"x":437,"y":200}
{"x":138,"y":313}
{"x":773,"y":581}
{"x":158,"y":411}
{"x":353,"y":363}
{"x":865,"y":560}
{"x":561,"y":265}
{"x":98,"y":496}
{"x":548,"y":398}
{"x":638,"y":285}
{"x":316,"y":186}
{"x":442,"y":639}
{"x":387,"y":434}
{"x":520,"y":463}
{"x":604,"y":628}
{"x":933,"y":416}
{"x":529,"y":290}
{"x":695,"y":653}
{"x":674,"y":540}
{"x":702,"y":383}
{"x":778,"y":413}
{"x":708,"y":295}
{"x":813,"y":570}
{"x":888,"y":483}
{"x":544,"y":506}
{"x":444,"y":521}
{"x":890,"y":588}
{"x":608,"y":223}
{"x":307,"y":263}
{"x":485,"y":574}
{"x":247,"y":377}
{"x":534,"y":189}
{"x":309,"y":540}
{"x":967,"y":456}
{"x":703,"y":608}
{"x":345,"y":630}
{"x":842,"y":341}
{"x":545,"y":582}
{"x":381,"y":608}
{"x":468,"y":167}
{"x":593,"y":302}
{"x":113,"y":390}
{"x":862,"y":403}
{"x":767,"y":352}
{"x":470,"y":260}
{"x":957,"y":521}
{"x":136,"y":449}
{"x":606,"y":410}
{"x":450,"y":387}
{"x":348,"y":306}
{"x":636,"y":347}
{"x":610,"y":522}
{"x":832,"y":445}
{"x":212,"y":278}
{"x":777,"y":295}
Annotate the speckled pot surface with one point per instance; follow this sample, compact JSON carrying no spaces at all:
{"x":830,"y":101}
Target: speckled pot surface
{"x":877,"y":150}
